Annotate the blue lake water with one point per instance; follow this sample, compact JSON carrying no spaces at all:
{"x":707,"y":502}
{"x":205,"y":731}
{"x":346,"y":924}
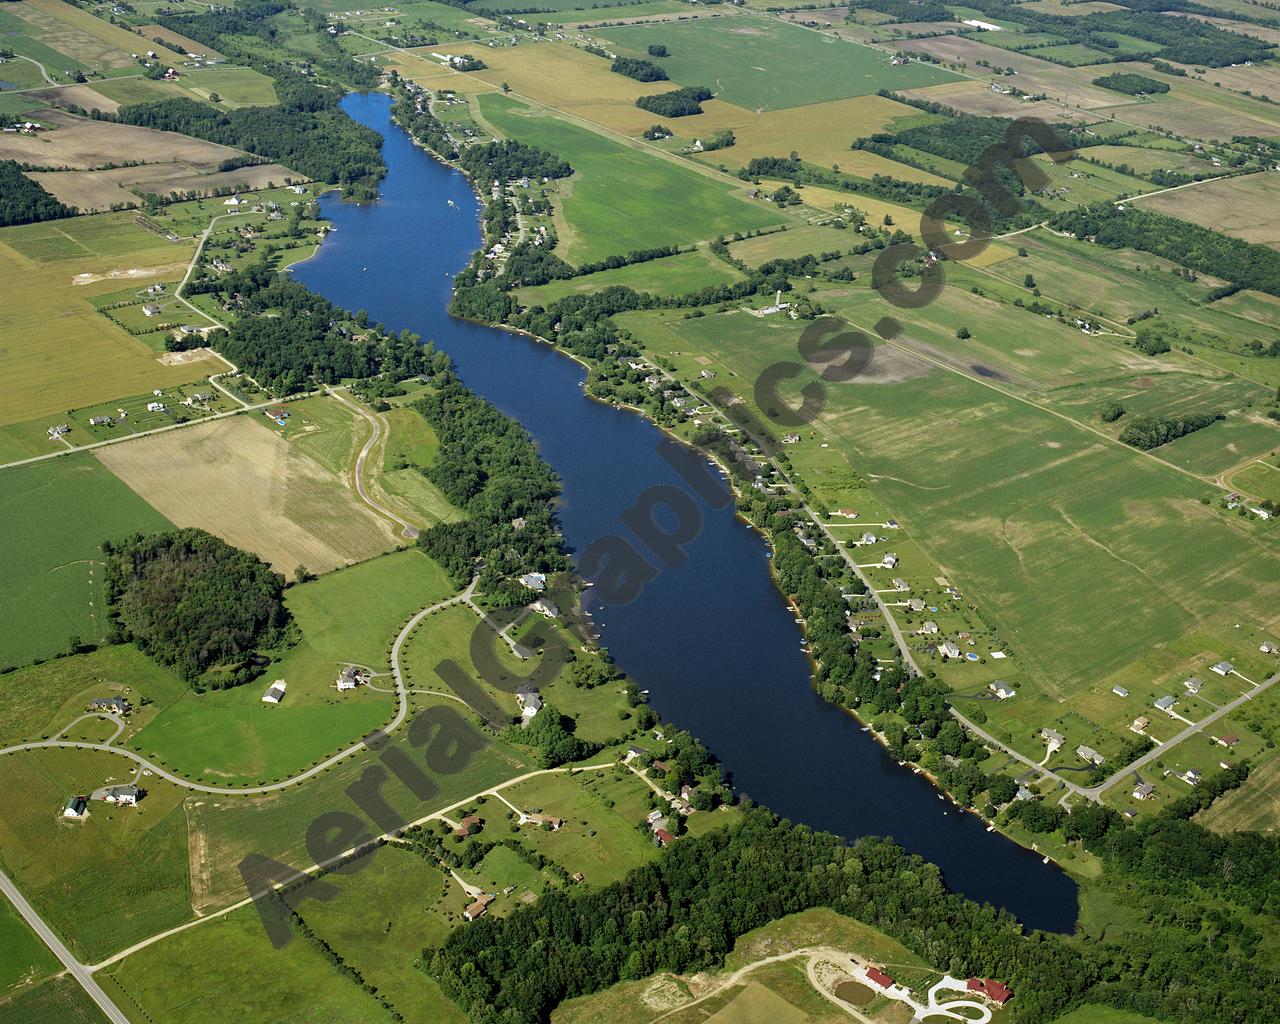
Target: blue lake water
{"x":712,"y":640}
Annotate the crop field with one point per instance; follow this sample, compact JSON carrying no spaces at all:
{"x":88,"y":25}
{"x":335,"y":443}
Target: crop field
{"x":226,"y":828}
{"x":176,"y":41}
{"x":26,"y":959}
{"x":976,"y":97}
{"x":59,"y":1000}
{"x":995,"y":491}
{"x":1254,"y":807}
{"x":229,"y":737}
{"x":91,"y":43}
{"x":387,"y":911}
{"x":634,"y":10}
{"x":1143,"y":160}
{"x":1244,"y":207}
{"x":768,"y":65}
{"x":1194,"y":108}
{"x":105,"y":881}
{"x":58,"y":514}
{"x":242,"y":482}
{"x":619,"y":198}
{"x":215,"y":974}
{"x":674,"y":275}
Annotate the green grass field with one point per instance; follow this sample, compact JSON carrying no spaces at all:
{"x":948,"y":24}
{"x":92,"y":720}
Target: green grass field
{"x":674,"y":275}
{"x":619,"y":198}
{"x":59,"y":513}
{"x":765,"y":65}
{"x":1093,"y":1014}
{"x":58,"y":1001}
{"x":24,"y":959}
{"x":387,"y":912}
{"x":105,"y":881}
{"x":227,"y":972}
{"x":409,"y":448}
{"x":230,"y":737}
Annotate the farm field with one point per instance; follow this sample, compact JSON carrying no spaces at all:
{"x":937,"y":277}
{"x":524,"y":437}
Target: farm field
{"x":58,"y":514}
{"x":1143,"y":161}
{"x":1254,"y":807}
{"x":410,"y":447}
{"x":63,"y":355}
{"x":1244,"y":207}
{"x":1261,"y":479}
{"x":236,"y":87}
{"x":603,"y":217}
{"x":91,"y":191}
{"x":976,"y":97}
{"x":104,"y":881}
{"x":59,"y":1000}
{"x":387,"y":912}
{"x":229,"y":737}
{"x":25,"y":960}
{"x":246,"y":484}
{"x":88,"y":42}
{"x":215,"y":974}
{"x":768,"y":65}
{"x":945,"y":483}
{"x":673,"y":275}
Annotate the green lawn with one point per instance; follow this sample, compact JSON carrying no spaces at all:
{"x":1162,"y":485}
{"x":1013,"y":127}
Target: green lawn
{"x":766,"y":65}
{"x":227,"y":972}
{"x":351,"y":615}
{"x":24,"y":959}
{"x":621,"y":198}
{"x":1094,"y":1014}
{"x":105,"y":881}
{"x":410,"y":448}
{"x":674,"y":275}
{"x":57,"y":514}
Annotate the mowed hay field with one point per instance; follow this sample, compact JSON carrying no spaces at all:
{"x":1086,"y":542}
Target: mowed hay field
{"x":228,"y":972}
{"x":768,"y":65}
{"x":1247,"y":207}
{"x":93,"y":43}
{"x":622,"y":198}
{"x":81,"y":143}
{"x":244,"y":483}
{"x":672,"y":275}
{"x":56,"y":515}
{"x":1003,"y":496}
{"x":1254,"y":807}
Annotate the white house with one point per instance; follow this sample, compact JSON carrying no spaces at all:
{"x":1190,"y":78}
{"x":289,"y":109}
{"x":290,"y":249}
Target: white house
{"x":155,"y":407}
{"x":122,"y":796}
{"x":76,"y":807}
{"x":1223,"y":668}
{"x":534,"y":580}
{"x":1119,"y":691}
{"x":150,"y":309}
{"x":529,"y":700}
{"x":930,"y":627}
{"x":1003,"y":690}
{"x":949,"y":650}
{"x":1166,"y":702}
{"x":545,"y":607}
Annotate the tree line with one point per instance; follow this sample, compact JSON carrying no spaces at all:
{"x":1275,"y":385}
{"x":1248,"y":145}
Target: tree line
{"x":23,"y":201}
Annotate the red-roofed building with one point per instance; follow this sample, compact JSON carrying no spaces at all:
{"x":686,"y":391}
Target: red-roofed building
{"x":879,"y":977}
{"x":664,"y":837}
{"x":994,"y":990}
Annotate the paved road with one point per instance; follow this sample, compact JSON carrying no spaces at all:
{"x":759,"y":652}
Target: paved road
{"x":402,"y":709}
{"x":990,"y":740}
{"x":47,"y":77}
{"x":408,"y":530}
{"x":74,"y":967}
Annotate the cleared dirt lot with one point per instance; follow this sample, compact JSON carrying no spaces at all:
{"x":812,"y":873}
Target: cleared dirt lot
{"x":246,"y":484}
{"x":77,"y":143}
{"x":1244,"y":207}
{"x":99,"y":190}
{"x":78,"y":95}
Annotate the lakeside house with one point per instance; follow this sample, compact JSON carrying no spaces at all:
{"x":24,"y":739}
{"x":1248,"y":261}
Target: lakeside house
{"x":546,"y":608}
{"x":275,"y":693}
{"x":534,"y":581}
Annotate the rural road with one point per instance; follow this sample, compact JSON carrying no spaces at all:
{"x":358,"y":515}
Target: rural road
{"x":1044,"y":772}
{"x":402,"y":710}
{"x":408,"y":530}
{"x":76,"y":969}
{"x":47,"y":77}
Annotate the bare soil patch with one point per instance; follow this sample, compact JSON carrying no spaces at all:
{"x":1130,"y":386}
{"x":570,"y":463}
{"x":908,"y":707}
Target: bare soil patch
{"x":78,"y":143}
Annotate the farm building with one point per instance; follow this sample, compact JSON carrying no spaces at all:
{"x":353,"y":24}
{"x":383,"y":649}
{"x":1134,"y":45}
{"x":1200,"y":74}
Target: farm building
{"x":76,"y":807}
{"x":275,"y":694}
{"x":1119,"y":691}
{"x":663,"y":837}
{"x":1223,"y":668}
{"x":874,"y":974}
{"x":478,"y":908}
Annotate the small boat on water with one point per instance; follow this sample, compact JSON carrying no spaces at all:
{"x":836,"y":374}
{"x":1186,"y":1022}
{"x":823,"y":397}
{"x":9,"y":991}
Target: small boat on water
{"x":991,"y":828}
{"x":1046,"y":860}
{"x":452,"y":204}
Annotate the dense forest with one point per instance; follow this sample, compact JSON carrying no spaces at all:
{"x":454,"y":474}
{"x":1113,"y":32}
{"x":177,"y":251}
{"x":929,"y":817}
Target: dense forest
{"x":683,"y":102}
{"x":508,"y":160}
{"x":488,"y":467}
{"x":193,"y":602}
{"x":23,"y":201}
{"x":1210,"y":252}
{"x":1131,"y":84}
{"x":312,"y":342}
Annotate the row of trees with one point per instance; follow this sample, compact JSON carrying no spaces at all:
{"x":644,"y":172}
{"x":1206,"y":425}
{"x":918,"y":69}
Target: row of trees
{"x":1210,"y":252}
{"x":1147,"y":432}
{"x":1131,"y":84}
{"x":640,"y":70}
